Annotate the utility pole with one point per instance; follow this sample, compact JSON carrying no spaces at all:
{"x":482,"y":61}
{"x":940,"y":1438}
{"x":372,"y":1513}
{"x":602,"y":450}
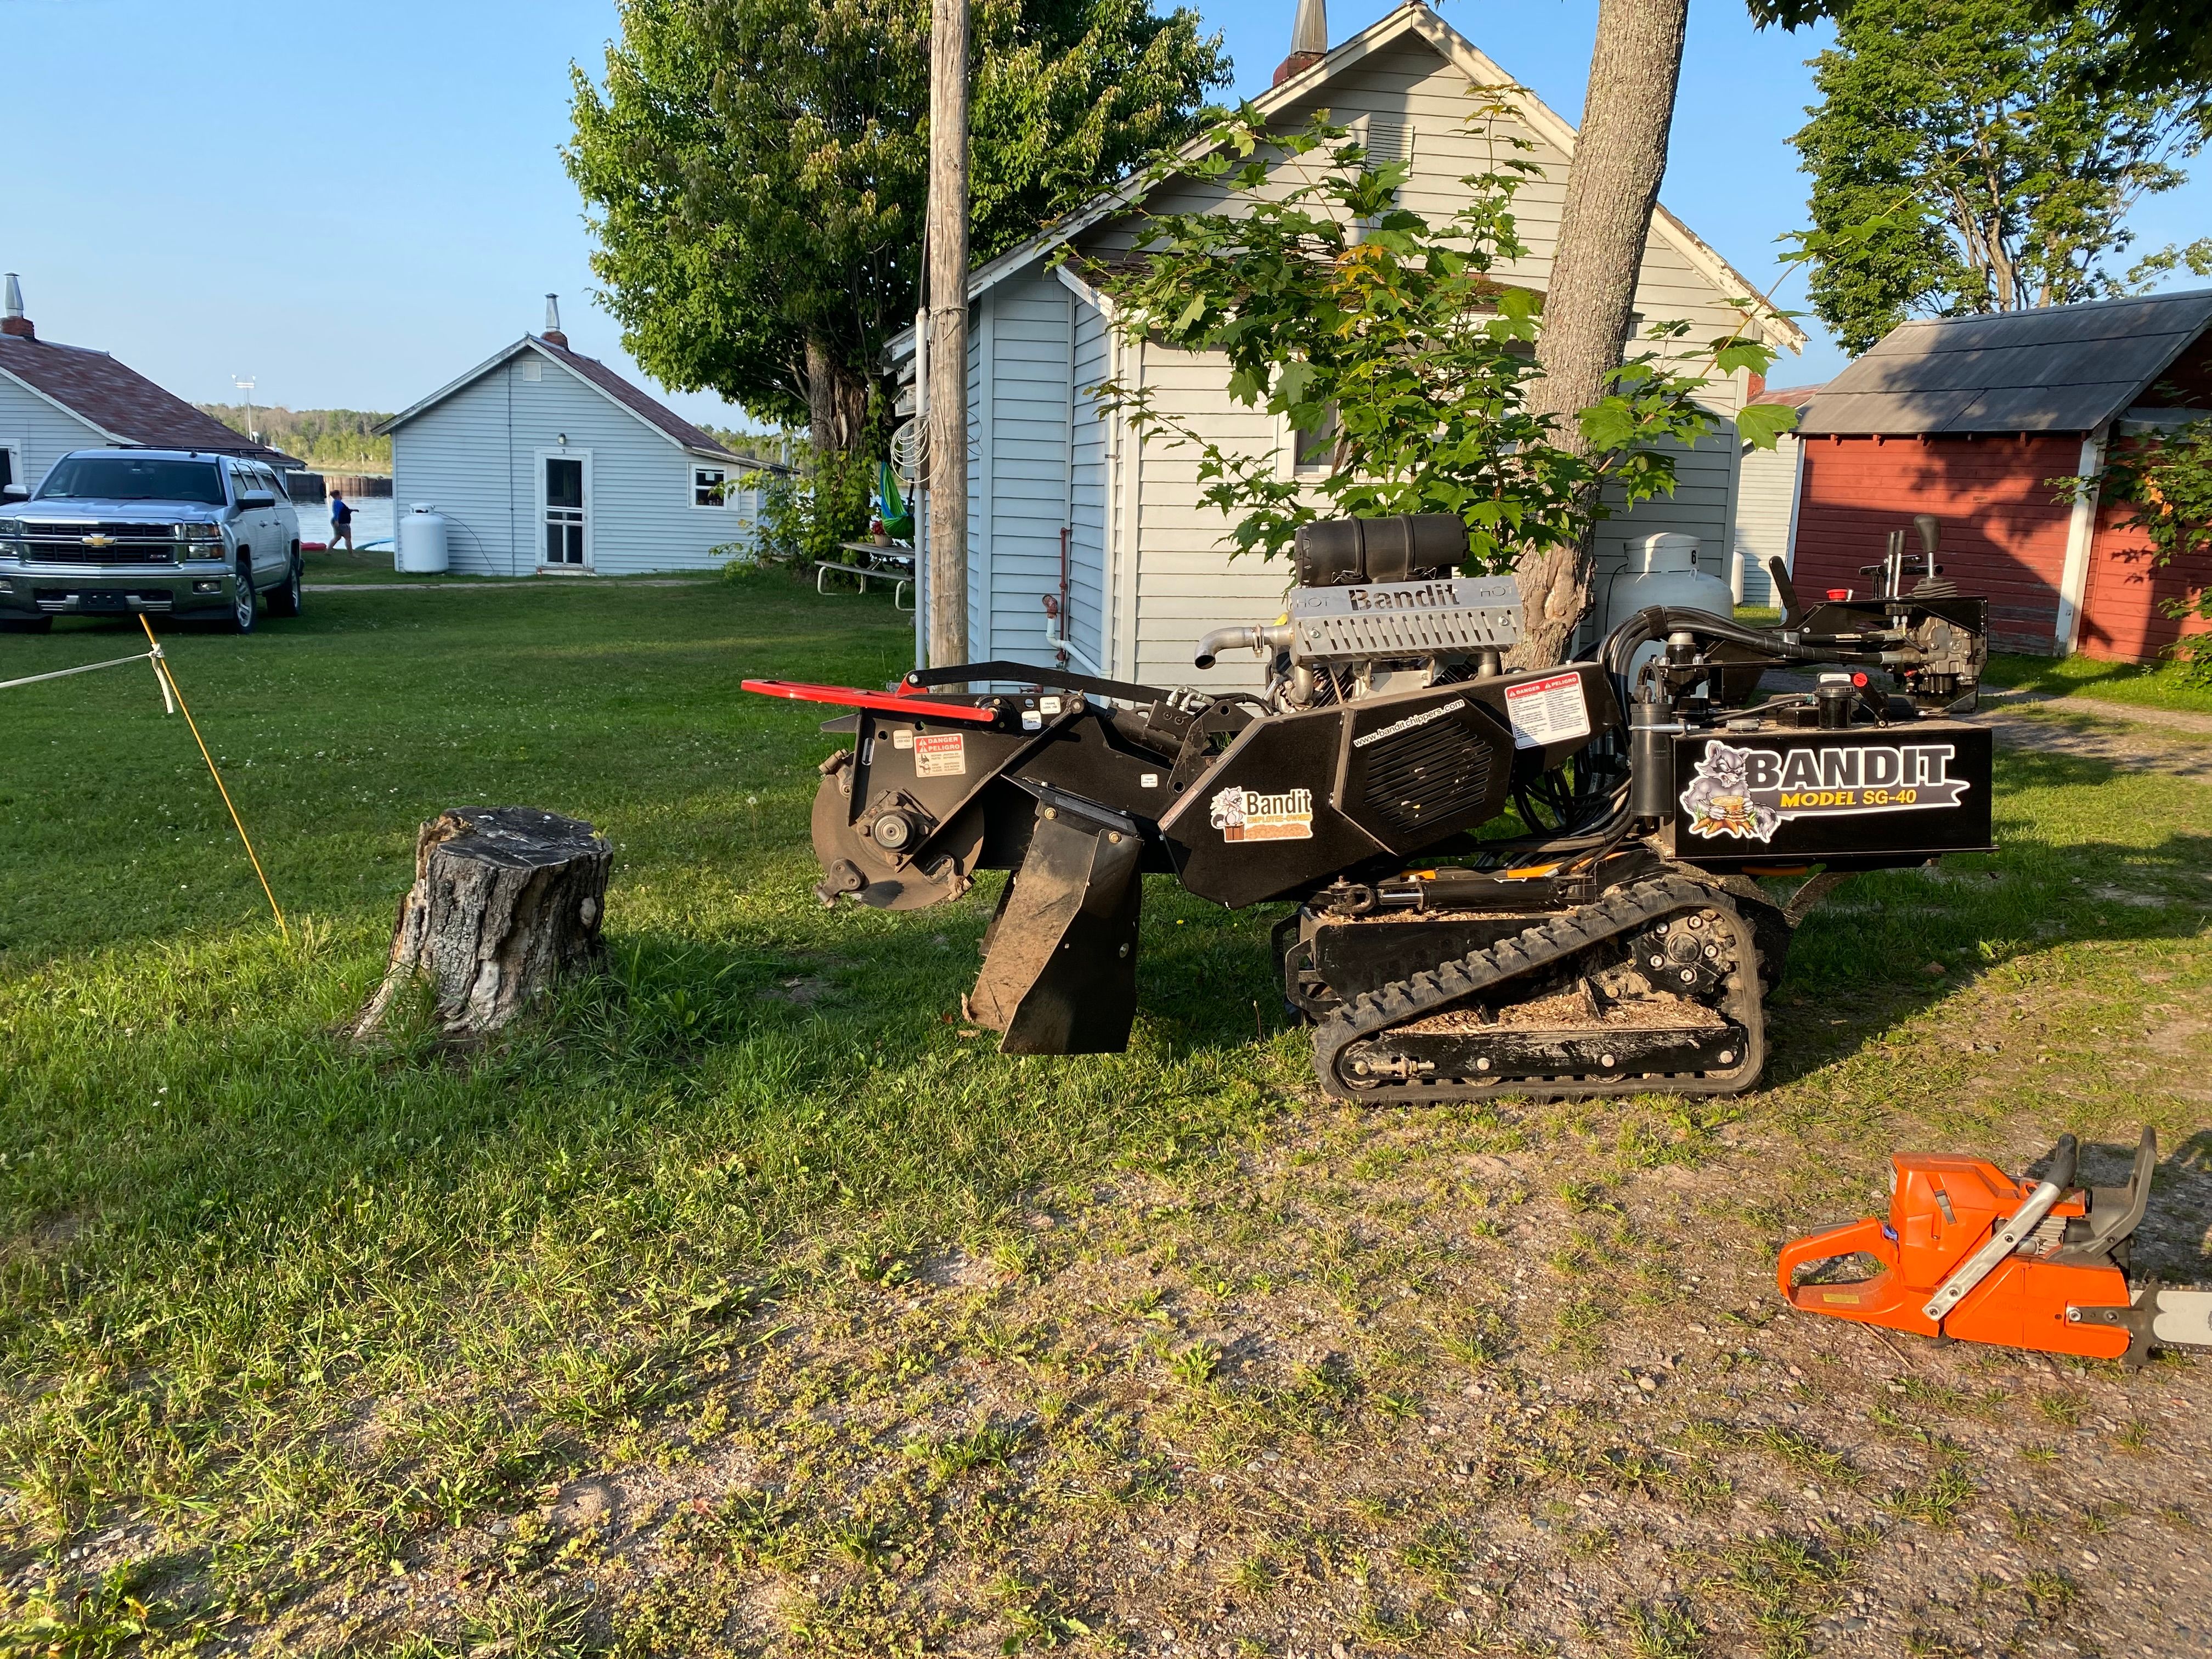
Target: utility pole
{"x":947,"y":388}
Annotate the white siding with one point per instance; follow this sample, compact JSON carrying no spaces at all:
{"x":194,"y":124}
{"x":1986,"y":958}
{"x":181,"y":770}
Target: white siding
{"x":1765,"y":499}
{"x":1150,"y":566}
{"x":475,"y":454}
{"x":40,"y":434}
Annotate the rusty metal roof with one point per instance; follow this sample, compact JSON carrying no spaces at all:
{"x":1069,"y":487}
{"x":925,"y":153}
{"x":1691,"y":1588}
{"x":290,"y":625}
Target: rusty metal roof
{"x":2065,"y":368}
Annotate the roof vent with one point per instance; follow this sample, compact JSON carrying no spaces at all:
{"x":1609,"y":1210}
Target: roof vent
{"x":553,"y":336}
{"x":12,"y":319}
{"x":1309,"y":41}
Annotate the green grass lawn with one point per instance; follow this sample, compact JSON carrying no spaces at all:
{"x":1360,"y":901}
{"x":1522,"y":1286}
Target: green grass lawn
{"x":373,"y":566}
{"x":748,"y":1302}
{"x":2151,"y":685}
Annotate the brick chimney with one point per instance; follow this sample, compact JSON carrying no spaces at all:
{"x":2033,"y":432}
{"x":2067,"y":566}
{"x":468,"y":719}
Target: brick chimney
{"x":553,"y":336}
{"x":12,"y":319}
{"x":1309,"y":41}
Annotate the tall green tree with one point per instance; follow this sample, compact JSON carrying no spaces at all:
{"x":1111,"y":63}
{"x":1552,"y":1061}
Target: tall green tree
{"x":1988,"y":159}
{"x":756,"y":171}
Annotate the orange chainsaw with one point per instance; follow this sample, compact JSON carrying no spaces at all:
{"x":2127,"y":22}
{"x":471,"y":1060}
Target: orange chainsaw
{"x":1968,"y":1252}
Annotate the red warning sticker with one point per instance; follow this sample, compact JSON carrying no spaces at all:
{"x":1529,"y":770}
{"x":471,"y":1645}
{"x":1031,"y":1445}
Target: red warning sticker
{"x":1549,"y":710}
{"x":940,"y":755}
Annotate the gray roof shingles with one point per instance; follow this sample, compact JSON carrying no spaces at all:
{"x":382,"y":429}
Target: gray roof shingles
{"x":2066,"y":369}
{"x":119,"y":400}
{"x":652,"y":410}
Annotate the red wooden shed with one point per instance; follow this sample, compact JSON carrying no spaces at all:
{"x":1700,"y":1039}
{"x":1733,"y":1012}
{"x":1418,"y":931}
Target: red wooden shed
{"x":1970,"y":418}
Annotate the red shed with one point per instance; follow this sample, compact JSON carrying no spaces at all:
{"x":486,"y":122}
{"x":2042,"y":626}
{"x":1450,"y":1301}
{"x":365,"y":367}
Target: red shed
{"x":1970,"y":418}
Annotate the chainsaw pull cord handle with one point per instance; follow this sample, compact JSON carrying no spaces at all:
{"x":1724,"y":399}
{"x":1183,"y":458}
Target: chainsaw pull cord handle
{"x":2003,"y":1242}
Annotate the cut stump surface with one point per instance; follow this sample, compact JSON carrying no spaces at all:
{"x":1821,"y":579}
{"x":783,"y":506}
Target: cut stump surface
{"x":506,"y":900}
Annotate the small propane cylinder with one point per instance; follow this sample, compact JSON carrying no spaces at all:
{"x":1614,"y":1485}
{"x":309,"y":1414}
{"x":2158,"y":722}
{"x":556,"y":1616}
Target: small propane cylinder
{"x":1663,"y":569}
{"x":421,"y":546}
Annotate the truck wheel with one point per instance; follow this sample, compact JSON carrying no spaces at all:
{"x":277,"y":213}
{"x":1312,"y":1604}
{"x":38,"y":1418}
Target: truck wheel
{"x":243,"y":606}
{"x":284,"y":598}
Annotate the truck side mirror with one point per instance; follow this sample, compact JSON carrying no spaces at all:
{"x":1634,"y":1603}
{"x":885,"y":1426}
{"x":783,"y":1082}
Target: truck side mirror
{"x":12,"y":493}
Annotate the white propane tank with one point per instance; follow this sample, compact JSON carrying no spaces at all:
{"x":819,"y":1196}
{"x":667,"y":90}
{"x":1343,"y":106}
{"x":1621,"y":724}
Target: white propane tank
{"x":422,"y":540}
{"x":1663,"y":569}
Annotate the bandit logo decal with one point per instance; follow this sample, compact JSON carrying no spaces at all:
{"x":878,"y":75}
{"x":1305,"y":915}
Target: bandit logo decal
{"x":1749,"y":794}
{"x":1249,"y":815}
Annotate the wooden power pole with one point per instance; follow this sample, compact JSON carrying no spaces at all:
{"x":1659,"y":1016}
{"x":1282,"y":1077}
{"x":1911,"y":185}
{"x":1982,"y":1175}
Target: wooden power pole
{"x":946,"y":439}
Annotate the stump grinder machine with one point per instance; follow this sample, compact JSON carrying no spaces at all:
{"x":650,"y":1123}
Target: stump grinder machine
{"x":1535,"y":882}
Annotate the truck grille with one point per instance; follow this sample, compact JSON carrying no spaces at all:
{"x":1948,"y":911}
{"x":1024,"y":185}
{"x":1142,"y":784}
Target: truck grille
{"x":129,"y":544}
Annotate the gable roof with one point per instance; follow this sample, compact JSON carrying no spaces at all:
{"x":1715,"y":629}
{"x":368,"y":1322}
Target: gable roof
{"x":1412,"y":19}
{"x":601,"y":380}
{"x":125,"y":407}
{"x":2063,"y":368}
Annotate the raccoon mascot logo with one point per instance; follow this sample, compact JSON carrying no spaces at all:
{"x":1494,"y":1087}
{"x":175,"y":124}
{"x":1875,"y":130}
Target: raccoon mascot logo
{"x":1719,"y":798}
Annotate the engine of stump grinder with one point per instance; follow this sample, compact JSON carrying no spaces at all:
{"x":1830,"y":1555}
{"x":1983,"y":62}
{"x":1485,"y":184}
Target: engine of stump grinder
{"x":1534,"y":882}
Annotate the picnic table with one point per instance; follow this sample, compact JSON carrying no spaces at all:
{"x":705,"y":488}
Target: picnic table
{"x":892,"y":563}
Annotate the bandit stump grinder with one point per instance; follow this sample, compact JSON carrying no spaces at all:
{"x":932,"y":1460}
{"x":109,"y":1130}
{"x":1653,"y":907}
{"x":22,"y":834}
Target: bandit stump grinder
{"x":1615,"y":940}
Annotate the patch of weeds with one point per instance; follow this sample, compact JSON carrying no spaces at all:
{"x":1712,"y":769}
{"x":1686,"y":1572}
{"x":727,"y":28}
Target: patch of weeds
{"x":1196,"y":1365}
{"x":1439,"y":1550}
{"x":1587,"y":1543}
{"x":1804,"y":1454}
{"x":2065,"y":1407}
{"x":2096,"y":1519}
{"x":1257,"y":1573}
{"x":987,"y":1446}
{"x":1662,"y":1629}
{"x":2048,"y":1595}
{"x":1386,"y":1627}
{"x":95,"y":1620}
{"x":1787,"y":1583}
{"x":1935,"y":1503}
{"x":2133,"y":1435}
{"x":1397,"y":1405}
{"x":1578,"y":1324}
{"x":1480,"y":1341}
{"x":1899,"y":1427}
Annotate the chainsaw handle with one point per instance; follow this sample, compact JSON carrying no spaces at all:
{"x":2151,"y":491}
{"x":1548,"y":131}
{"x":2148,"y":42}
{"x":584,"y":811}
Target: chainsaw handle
{"x":2063,"y":1158}
{"x":1870,"y":1235}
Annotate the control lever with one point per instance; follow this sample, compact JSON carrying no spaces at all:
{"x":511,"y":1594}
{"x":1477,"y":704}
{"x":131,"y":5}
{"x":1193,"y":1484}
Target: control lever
{"x":1793,"y":609}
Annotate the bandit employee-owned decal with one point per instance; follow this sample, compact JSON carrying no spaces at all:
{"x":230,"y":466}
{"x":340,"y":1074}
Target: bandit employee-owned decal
{"x":1253,"y":815}
{"x":1750,"y":792}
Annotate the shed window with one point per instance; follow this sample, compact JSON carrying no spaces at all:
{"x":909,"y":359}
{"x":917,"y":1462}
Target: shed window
{"x":710,"y":487}
{"x":7,"y":467}
{"x":1315,"y":451}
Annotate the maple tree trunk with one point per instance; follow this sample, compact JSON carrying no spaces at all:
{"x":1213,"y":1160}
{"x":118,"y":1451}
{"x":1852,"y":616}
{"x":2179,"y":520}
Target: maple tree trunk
{"x":1612,"y":185}
{"x":837,"y":401}
{"x":506,"y":900}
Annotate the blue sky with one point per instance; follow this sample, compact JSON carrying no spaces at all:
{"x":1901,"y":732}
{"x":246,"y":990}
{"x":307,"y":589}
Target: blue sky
{"x":353,"y":204}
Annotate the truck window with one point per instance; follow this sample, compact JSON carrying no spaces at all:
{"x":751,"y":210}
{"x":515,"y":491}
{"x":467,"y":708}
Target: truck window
{"x":125,"y":477}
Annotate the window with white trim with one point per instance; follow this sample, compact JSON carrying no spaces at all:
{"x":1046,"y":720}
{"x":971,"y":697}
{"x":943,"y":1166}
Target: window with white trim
{"x":11,"y":467}
{"x":1314,"y":452}
{"x":710,"y":487}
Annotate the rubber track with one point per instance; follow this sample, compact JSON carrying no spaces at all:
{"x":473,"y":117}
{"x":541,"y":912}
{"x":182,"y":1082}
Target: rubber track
{"x":1621,"y":911}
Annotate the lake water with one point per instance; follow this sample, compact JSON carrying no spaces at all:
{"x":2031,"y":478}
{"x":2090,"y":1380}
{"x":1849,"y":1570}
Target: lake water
{"x":372,"y":520}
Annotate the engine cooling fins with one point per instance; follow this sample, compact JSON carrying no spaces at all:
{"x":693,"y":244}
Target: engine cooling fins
{"x":1654,"y":984}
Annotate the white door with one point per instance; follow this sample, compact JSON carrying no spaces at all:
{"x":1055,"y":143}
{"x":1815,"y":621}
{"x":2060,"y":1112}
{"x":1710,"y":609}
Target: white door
{"x":564,"y":496}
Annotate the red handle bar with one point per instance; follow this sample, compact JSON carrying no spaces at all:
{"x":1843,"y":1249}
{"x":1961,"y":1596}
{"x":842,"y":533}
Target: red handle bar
{"x":922,"y":707}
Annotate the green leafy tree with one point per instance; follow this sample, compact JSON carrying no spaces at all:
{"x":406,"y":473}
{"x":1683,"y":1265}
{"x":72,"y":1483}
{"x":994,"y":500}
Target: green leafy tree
{"x":2164,"y":481}
{"x":1987,"y":160}
{"x":757,"y":173}
{"x":1341,"y":309}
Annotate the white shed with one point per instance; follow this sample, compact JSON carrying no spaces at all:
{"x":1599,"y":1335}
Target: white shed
{"x":1767,"y":501}
{"x":1146,"y":566}
{"x":545,"y":461}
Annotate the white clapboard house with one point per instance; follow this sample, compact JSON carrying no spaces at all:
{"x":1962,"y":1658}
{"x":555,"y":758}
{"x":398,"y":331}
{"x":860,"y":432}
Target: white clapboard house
{"x":1767,"y":500}
{"x":1145,"y":566}
{"x":56,"y":397}
{"x":545,"y":461}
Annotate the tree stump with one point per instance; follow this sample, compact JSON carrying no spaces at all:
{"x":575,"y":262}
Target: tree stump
{"x":506,"y":900}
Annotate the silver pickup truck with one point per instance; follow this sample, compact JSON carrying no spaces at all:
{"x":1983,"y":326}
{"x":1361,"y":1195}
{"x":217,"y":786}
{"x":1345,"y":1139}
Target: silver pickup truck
{"x":168,"y":532}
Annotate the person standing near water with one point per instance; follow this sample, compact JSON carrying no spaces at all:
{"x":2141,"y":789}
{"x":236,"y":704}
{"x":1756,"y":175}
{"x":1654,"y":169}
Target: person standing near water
{"x":341,"y":523}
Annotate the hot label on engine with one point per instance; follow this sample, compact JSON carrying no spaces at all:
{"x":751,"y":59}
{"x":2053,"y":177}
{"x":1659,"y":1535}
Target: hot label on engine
{"x":1253,"y":815}
{"x":1749,"y":794}
{"x":1549,"y":710}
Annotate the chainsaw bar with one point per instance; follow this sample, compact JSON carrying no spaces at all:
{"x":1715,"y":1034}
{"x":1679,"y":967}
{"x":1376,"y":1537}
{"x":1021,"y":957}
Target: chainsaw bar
{"x":1352,"y":1058}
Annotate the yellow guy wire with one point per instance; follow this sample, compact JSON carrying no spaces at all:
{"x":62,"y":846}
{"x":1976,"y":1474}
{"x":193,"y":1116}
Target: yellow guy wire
{"x":161,"y":667}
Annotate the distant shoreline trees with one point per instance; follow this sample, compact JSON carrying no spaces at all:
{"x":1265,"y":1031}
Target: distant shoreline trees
{"x":333,"y":440}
